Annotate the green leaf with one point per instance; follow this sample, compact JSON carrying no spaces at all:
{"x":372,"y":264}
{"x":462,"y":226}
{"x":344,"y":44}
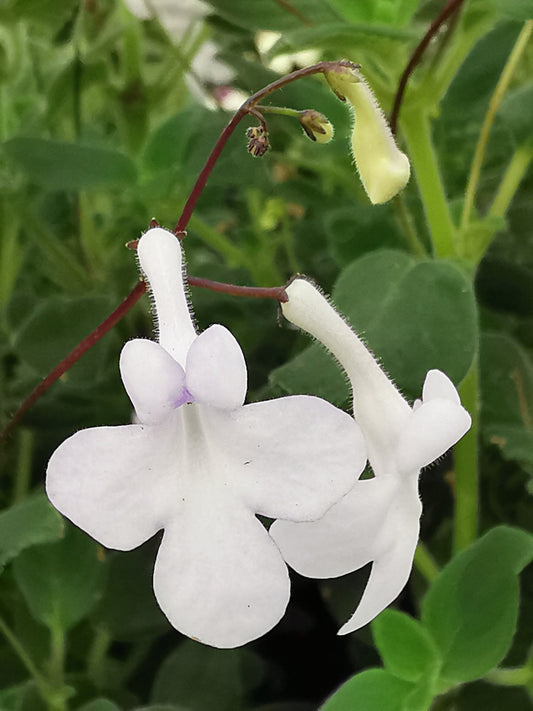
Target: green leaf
{"x":514,"y":9}
{"x":515,"y":442}
{"x":421,"y":697}
{"x":489,"y":697}
{"x":29,"y":523}
{"x":287,"y":706}
{"x":472,"y":607}
{"x":481,"y":69}
{"x":202,"y":678}
{"x":406,"y":647}
{"x":507,"y":394}
{"x":55,"y":327}
{"x":330,"y":35}
{"x":507,"y":374}
{"x":61,"y":582}
{"x":266,"y":15}
{"x":99,"y":705}
{"x":313,"y":371}
{"x":516,"y":112}
{"x":372,"y":690}
{"x":128,"y":608}
{"x":23,"y":697}
{"x":58,"y":165}
{"x":361,"y":11}
{"x":414,"y":315}
{"x":353,"y":232}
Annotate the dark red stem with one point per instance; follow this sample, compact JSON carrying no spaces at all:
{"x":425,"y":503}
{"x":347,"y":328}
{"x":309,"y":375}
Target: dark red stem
{"x":75,"y":355}
{"x":451,"y":7}
{"x":246,"y":108}
{"x":258,"y":292}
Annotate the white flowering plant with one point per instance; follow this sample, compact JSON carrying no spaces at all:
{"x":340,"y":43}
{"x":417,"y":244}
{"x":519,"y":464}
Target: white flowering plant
{"x":289,"y":431}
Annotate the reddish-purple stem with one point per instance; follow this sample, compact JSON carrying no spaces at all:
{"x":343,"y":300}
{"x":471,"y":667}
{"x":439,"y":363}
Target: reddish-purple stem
{"x":277,"y":293}
{"x":416,"y":57}
{"x":246,"y":108}
{"x":258,"y":292}
{"x":75,"y":355}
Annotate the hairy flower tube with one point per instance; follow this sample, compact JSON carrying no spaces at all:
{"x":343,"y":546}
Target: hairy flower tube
{"x":378,"y":521}
{"x":383,"y":168}
{"x":201,"y":465}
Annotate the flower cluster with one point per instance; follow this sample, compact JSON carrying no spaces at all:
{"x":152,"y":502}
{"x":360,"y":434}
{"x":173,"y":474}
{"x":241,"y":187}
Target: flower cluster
{"x":200,"y":465}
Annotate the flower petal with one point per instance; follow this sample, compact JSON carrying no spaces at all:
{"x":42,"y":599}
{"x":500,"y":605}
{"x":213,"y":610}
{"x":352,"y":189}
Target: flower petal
{"x":219,"y":577}
{"x":343,"y":540}
{"x":432,"y":429}
{"x":161,"y":260}
{"x":107,"y":481}
{"x":216,"y":371}
{"x":392,"y":567}
{"x":439,"y":385}
{"x":289,"y":458}
{"x":154,"y":381}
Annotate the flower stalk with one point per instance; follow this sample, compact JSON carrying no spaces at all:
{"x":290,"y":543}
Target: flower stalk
{"x":494,"y":103}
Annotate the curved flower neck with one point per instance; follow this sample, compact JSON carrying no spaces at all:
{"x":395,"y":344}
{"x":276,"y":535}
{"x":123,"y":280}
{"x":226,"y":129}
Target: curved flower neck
{"x":161,"y":261}
{"x":379,"y":408}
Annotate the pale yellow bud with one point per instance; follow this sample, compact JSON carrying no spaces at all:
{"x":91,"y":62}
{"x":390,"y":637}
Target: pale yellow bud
{"x":384,"y":170}
{"x":316,"y":126}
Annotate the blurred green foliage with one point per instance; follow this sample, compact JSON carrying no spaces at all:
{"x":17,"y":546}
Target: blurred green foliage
{"x":105,"y":122}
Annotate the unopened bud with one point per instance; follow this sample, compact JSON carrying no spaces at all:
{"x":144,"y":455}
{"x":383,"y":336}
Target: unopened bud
{"x":316,"y":126}
{"x":383,"y":168}
{"x":257,"y":141}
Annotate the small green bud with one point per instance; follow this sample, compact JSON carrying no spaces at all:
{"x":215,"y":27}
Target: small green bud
{"x":316,"y":126}
{"x":384,"y":170}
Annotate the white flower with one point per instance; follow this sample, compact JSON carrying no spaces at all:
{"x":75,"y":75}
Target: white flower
{"x":200,"y":465}
{"x":378,"y":520}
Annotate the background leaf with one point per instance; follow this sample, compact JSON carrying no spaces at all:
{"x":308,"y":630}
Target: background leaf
{"x":372,"y":690}
{"x":202,"y":678}
{"x":471,"y":609}
{"x":26,"y":524}
{"x":58,"y":165}
{"x":413,"y":315}
{"x":61,"y":582}
{"x":407,"y":649}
